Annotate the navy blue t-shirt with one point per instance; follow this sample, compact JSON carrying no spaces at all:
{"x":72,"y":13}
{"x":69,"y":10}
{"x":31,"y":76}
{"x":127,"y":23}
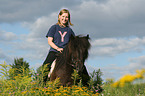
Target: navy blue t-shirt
{"x":60,"y":35}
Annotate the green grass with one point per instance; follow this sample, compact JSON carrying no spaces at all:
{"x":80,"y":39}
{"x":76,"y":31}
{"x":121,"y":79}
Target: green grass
{"x":128,"y":90}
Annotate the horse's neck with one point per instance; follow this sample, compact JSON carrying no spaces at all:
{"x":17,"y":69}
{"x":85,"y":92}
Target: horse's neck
{"x":59,"y":62}
{"x":63,"y":58}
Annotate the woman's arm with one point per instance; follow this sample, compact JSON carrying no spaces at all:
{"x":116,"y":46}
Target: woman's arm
{"x":50,"y":39}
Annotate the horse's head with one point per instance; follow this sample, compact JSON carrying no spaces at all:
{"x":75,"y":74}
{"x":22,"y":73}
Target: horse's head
{"x":78,"y":50}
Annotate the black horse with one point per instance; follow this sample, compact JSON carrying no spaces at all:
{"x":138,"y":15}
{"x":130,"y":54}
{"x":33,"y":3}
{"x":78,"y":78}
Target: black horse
{"x":73,"y":57}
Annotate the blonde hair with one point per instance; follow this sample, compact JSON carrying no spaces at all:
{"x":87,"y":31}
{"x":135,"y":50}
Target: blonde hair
{"x":65,"y":11}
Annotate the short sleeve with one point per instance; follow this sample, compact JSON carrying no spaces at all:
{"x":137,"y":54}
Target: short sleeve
{"x":51,"y":31}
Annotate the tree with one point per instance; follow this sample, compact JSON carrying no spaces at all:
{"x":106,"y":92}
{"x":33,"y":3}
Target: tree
{"x":19,"y":67}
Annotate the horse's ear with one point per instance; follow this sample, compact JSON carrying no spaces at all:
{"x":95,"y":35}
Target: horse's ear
{"x":87,"y":36}
{"x":72,"y":37}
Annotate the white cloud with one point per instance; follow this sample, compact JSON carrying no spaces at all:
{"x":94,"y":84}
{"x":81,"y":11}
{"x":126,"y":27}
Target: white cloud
{"x":4,"y":57}
{"x":137,"y":62}
{"x":114,"y":18}
{"x":115,"y":71}
{"x":19,"y":10}
{"x":114,"y":46}
{"x":39,"y":28}
{"x":7,"y":36}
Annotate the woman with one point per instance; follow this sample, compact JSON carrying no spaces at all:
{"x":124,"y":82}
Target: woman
{"x":58,"y":36}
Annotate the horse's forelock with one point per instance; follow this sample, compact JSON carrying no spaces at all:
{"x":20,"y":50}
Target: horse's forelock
{"x":79,"y":45}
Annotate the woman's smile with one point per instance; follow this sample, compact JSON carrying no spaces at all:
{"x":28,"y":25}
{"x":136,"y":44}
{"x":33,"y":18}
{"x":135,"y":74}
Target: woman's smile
{"x":63,"y":18}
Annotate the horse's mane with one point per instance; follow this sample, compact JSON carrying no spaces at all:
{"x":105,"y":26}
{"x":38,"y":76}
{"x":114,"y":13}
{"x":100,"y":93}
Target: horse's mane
{"x":77,"y":45}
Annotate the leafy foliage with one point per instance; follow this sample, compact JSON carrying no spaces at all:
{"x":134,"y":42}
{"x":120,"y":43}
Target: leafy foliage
{"x":26,"y":85}
{"x":19,"y":67}
{"x":4,"y":70}
{"x":96,"y":76}
{"x":41,"y":72}
{"x":96,"y":81}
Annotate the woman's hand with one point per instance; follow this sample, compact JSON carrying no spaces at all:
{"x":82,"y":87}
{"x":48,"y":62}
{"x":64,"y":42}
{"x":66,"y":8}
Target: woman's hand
{"x":59,"y":49}
{"x":50,"y":39}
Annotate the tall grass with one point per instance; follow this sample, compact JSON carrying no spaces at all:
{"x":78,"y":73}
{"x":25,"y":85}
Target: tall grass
{"x":29,"y":84}
{"x":129,"y":89}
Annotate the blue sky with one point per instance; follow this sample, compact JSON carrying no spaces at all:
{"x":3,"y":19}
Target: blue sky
{"x":116,"y":28}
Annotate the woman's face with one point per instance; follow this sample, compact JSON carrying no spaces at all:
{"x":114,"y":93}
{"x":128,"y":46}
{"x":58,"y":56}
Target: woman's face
{"x":63,"y":18}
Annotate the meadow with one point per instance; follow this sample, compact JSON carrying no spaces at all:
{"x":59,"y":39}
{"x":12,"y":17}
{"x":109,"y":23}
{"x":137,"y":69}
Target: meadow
{"x":28,"y":83}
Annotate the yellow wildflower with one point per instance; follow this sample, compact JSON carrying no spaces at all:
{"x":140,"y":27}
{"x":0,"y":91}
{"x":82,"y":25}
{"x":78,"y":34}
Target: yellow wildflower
{"x":56,"y":90}
{"x":137,"y":76}
{"x":64,"y":91}
{"x":57,"y":94}
{"x":76,"y":91}
{"x":85,"y":94}
{"x":47,"y":93}
{"x":64,"y":94}
{"x":32,"y":91}
{"x":115,"y":84}
{"x":97,"y":94}
{"x":24,"y":92}
{"x":122,"y":84}
{"x":129,"y":78}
